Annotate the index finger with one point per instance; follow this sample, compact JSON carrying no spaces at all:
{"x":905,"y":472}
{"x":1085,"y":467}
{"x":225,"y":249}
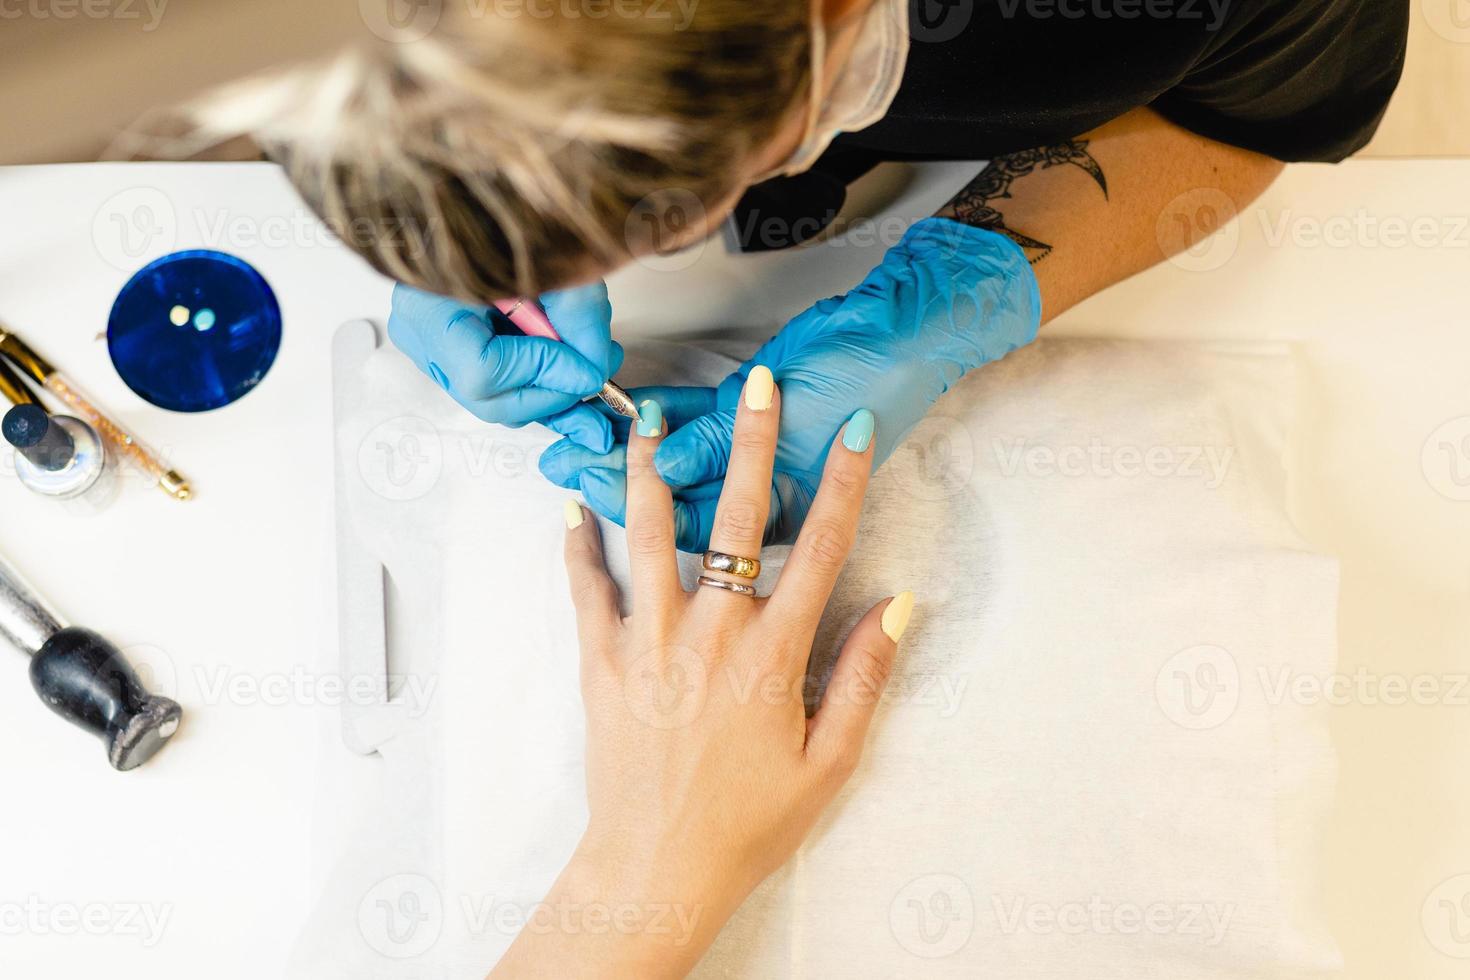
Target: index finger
{"x":650,"y":521}
{"x":821,"y":549}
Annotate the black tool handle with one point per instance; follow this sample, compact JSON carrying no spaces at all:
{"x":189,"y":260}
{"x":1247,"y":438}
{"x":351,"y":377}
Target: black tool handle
{"x":86,"y":680}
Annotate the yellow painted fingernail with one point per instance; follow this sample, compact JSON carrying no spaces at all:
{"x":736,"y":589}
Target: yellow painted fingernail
{"x":896,"y":616}
{"x":572,"y":511}
{"x":760,"y":388}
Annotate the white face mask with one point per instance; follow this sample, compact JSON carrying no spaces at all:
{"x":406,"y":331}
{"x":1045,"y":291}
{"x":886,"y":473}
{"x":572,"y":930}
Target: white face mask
{"x":865,"y":88}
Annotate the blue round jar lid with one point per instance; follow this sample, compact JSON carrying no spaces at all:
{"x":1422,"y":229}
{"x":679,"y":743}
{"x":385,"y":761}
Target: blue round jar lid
{"x":194,"y":330}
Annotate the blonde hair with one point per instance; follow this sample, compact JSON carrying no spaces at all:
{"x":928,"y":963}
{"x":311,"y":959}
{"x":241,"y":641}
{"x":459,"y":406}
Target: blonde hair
{"x":510,"y":154}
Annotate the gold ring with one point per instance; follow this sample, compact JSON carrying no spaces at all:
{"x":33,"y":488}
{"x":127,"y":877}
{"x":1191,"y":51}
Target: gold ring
{"x":735,"y":587}
{"x":718,"y":561}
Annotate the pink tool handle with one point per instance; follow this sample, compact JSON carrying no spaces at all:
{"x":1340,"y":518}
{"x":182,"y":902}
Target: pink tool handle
{"x":528,"y":316}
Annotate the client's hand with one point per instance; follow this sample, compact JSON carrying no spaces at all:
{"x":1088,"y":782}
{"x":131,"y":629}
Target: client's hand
{"x":944,"y":300}
{"x":501,"y":375}
{"x":704,"y":772}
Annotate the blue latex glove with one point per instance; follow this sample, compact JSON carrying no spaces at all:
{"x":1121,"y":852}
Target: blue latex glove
{"x":945,"y":300}
{"x":501,"y":375}
{"x":602,"y":477}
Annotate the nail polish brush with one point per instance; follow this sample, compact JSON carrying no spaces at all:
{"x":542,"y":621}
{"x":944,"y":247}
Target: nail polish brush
{"x":13,"y":388}
{"x":169,"y":481}
{"x":533,"y":321}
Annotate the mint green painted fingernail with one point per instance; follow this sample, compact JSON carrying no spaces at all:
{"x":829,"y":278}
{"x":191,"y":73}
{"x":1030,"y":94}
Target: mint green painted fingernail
{"x":651,"y":419}
{"x":859,"y":432}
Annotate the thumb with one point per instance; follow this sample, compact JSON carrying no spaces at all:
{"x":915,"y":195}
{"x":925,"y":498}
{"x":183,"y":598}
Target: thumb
{"x":582,"y":316}
{"x":836,"y":733}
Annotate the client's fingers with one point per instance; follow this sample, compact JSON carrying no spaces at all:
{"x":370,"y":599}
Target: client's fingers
{"x":745,"y":503}
{"x":593,"y":593}
{"x":606,"y":492}
{"x":836,"y":732}
{"x":827,"y":536}
{"x":650,"y":513}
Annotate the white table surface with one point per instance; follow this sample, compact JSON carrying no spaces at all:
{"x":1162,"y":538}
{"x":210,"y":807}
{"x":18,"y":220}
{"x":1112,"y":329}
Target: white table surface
{"x":228,"y":598}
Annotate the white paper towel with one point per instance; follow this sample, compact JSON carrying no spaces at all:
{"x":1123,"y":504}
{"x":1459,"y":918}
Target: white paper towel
{"x":1085,"y":766}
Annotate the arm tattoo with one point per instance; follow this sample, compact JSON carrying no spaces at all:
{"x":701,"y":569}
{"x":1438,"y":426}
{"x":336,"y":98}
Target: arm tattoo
{"x":973,"y":204}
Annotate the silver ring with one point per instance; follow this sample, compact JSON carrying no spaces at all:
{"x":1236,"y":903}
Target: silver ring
{"x":718,"y":561}
{"x":735,"y":587}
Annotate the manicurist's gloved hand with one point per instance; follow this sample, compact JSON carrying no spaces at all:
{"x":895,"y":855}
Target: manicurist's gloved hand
{"x":602,"y":477}
{"x":501,"y":375}
{"x":945,"y":300}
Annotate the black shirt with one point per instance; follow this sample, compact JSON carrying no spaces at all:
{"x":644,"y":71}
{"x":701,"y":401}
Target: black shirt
{"x":1292,"y":79}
